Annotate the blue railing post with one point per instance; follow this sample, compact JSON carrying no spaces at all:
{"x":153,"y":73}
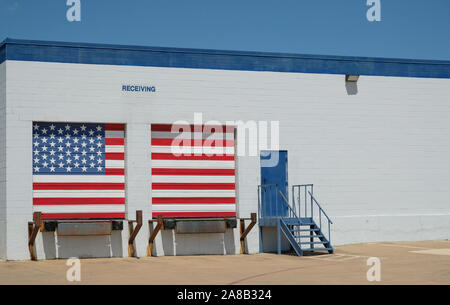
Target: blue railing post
{"x":259,"y":201}
{"x":270,"y":208}
{"x":320,"y":220}
{"x":278,"y":236}
{"x":306,"y":211}
{"x":276,"y":203}
{"x":260,"y":240}
{"x":329,"y":233}
{"x":293,"y":200}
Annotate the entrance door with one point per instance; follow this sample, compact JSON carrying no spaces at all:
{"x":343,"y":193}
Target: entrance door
{"x":274,"y":178}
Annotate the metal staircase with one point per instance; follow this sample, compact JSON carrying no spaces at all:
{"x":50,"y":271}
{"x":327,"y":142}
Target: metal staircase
{"x":300,"y":222}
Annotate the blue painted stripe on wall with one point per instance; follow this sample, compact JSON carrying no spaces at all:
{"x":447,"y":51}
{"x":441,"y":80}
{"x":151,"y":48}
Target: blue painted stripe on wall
{"x":103,"y":54}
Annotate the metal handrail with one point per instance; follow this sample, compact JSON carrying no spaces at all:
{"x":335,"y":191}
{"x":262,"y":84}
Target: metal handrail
{"x":320,"y":207}
{"x":285,"y":201}
{"x":288,"y":205}
{"x":300,"y":188}
{"x":281,"y":215}
{"x":310,"y":201}
{"x":261,"y":213}
{"x":284,"y":198}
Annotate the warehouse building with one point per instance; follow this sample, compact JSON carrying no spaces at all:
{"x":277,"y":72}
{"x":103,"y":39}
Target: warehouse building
{"x":113,"y":151}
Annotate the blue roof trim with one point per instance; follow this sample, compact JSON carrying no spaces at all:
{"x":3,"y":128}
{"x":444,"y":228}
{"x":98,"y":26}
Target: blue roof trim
{"x":105,"y":54}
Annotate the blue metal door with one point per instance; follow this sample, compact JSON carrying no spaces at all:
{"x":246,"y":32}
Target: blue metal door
{"x":274,"y":178}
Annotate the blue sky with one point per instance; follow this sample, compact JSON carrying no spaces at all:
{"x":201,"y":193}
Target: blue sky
{"x":417,"y":29}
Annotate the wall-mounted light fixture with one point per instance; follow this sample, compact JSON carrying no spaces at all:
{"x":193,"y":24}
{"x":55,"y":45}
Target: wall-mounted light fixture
{"x":352,"y":78}
{"x":351,"y":83}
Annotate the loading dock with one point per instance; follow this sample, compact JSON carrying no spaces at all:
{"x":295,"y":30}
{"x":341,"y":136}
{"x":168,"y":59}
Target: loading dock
{"x":364,"y":150}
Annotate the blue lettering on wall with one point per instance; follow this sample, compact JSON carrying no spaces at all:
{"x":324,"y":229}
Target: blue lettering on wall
{"x":138,"y":88}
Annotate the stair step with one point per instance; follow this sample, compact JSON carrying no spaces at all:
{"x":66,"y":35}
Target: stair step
{"x":306,"y":218}
{"x":310,"y":243}
{"x":308,"y":236}
{"x":316,"y":249}
{"x":305,"y":230}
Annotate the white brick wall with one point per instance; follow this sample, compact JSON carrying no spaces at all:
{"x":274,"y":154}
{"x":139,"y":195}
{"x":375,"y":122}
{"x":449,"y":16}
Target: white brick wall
{"x":378,"y":159}
{"x":3,"y":161}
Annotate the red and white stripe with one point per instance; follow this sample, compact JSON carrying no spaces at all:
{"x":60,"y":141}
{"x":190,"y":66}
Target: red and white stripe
{"x":196,"y":184}
{"x":86,"y":196}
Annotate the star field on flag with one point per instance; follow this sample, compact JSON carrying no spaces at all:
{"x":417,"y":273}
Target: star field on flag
{"x":68,"y":149}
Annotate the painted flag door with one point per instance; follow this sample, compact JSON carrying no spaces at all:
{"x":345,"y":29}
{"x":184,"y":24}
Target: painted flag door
{"x":78,"y":170}
{"x":193,"y":171}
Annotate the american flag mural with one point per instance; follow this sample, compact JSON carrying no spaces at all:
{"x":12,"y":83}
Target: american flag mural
{"x":193,"y":172}
{"x":78,"y":170}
